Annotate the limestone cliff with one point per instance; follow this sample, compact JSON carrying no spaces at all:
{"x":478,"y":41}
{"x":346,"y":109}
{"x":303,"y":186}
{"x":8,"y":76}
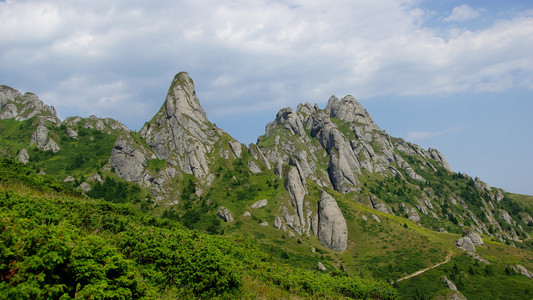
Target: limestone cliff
{"x":180,"y":131}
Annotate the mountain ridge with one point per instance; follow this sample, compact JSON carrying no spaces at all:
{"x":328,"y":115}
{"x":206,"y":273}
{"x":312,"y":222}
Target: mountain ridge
{"x":325,"y":177}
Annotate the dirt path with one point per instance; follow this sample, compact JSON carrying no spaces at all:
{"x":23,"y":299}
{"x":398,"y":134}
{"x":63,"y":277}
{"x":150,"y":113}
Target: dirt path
{"x":448,"y":257}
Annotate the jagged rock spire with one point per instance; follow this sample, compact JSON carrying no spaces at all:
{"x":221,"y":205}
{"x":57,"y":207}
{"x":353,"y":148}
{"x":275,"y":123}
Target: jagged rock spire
{"x":180,"y":132}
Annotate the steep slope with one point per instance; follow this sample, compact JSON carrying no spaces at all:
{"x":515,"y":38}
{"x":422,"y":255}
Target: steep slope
{"x":32,"y":132}
{"x":179,"y":150}
{"x":340,"y":147}
{"x":323,"y":188}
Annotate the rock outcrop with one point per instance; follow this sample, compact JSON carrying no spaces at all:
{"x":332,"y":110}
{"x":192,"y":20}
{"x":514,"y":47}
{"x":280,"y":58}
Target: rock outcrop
{"x":469,"y":241}
{"x":181,"y":132}
{"x":23,"y":156}
{"x":128,"y":159}
{"x":42,"y":140}
{"x":14,"y":105}
{"x":225,"y":214}
{"x":332,"y":229}
{"x":260,"y":203}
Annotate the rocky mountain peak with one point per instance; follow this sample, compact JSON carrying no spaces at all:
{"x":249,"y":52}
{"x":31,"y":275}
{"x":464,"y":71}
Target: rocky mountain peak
{"x":14,"y":105}
{"x":181,"y":99}
{"x":180,"y":132}
{"x":348,"y":109}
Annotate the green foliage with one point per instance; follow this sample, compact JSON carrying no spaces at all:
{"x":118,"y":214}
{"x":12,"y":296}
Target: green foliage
{"x":156,"y":164}
{"x":86,"y":154}
{"x":66,"y":247}
{"x":57,"y":260}
{"x":15,"y":172}
{"x":115,"y":190}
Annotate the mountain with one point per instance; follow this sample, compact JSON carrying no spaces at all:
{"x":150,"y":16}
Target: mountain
{"x":323,"y":187}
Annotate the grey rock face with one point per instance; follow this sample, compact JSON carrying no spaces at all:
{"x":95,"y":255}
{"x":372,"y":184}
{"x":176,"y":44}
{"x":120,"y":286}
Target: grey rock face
{"x":51,"y":145}
{"x":236,"y":147}
{"x":40,"y":137}
{"x":128,"y":159}
{"x":506,"y":217}
{"x":475,"y":238}
{"x":225,"y":214}
{"x":412,"y":214}
{"x":332,"y":229}
{"x":72,"y":133}
{"x":260,"y":203}
{"x":297,"y":188}
{"x":23,"y":156}
{"x":253,"y":167}
{"x":466,"y":244}
{"x":14,"y":105}
{"x":247,"y":214}
{"x":69,"y":179}
{"x":289,"y":120}
{"x":520,"y":269}
{"x":180,"y":130}
{"x":348,"y":109}
{"x":436,"y":155}
{"x":256,"y":153}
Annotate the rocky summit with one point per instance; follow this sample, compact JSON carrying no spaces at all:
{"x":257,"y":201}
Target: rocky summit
{"x":321,"y":187}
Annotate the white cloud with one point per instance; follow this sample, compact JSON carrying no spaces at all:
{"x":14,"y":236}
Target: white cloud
{"x":462,"y":13}
{"x":245,"y":54}
{"x":422,"y":135}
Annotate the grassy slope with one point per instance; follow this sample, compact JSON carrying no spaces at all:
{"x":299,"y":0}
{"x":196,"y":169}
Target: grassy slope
{"x":93,"y":246}
{"x":77,"y":157}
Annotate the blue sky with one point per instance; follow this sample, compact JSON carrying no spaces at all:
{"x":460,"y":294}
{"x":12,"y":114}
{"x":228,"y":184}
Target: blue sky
{"x":453,"y":75}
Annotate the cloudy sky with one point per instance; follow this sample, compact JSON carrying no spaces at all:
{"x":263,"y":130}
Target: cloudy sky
{"x":453,"y":75}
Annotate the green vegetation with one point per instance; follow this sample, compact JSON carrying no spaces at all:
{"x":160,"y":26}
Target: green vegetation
{"x":77,"y":157}
{"x":64,"y":247}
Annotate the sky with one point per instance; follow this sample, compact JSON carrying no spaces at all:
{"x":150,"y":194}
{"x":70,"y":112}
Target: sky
{"x":453,"y":75}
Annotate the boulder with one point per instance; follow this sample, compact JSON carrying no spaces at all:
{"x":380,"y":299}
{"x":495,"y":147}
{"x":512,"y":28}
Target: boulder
{"x":84,"y":187}
{"x":253,"y":167}
{"x":247,"y":214}
{"x":236,"y":147}
{"x":40,"y":136}
{"x":332,"y":229}
{"x":376,"y":218}
{"x":69,"y":179}
{"x":321,"y":266}
{"x":72,"y":133}
{"x":51,"y":145}
{"x":466,"y":244}
{"x":225,"y":214}
{"x":95,"y":177}
{"x":475,"y":238}
{"x":23,"y":156}
{"x":260,"y":203}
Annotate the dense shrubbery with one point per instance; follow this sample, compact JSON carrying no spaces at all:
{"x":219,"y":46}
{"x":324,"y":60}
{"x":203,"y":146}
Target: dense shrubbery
{"x":11,"y":171}
{"x":61,"y":247}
